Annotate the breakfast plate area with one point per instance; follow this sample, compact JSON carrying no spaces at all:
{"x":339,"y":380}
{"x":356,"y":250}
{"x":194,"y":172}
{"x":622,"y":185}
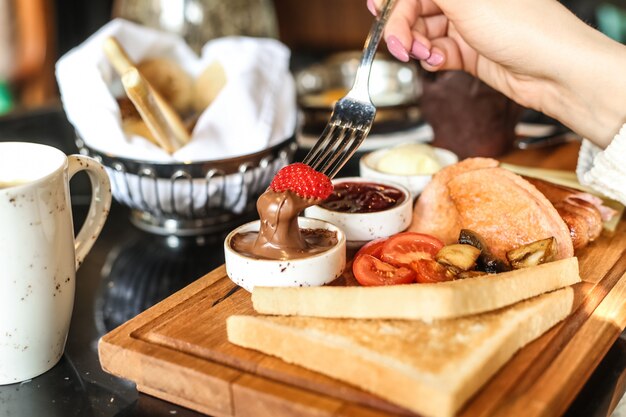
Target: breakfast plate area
{"x":178,"y":351}
{"x":576,"y":369}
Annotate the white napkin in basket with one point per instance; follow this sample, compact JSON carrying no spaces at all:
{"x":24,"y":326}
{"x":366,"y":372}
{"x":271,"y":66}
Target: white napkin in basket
{"x":255,"y":110}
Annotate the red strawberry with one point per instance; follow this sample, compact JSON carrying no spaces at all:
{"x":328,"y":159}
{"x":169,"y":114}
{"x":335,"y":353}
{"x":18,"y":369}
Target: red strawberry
{"x":302,"y":180}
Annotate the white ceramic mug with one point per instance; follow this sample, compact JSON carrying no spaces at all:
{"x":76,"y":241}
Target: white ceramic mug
{"x":39,"y":254}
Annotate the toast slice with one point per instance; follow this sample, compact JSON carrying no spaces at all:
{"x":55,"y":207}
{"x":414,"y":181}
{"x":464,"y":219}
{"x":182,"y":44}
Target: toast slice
{"x":419,"y":301}
{"x":431,"y":369}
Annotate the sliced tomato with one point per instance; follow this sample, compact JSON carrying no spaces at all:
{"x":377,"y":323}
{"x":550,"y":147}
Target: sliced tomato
{"x":374,"y":248}
{"x":431,"y":271}
{"x":407,"y":247}
{"x":370,"y":271}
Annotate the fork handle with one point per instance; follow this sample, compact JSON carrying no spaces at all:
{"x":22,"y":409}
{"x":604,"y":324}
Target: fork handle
{"x":361,"y":82}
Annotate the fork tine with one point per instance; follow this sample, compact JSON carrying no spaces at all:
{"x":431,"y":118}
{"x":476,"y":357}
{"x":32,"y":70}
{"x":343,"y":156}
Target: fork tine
{"x":332,"y":149}
{"x":325,"y":140}
{"x":340,"y":135}
{"x":338,"y":151}
{"x":359,"y":137}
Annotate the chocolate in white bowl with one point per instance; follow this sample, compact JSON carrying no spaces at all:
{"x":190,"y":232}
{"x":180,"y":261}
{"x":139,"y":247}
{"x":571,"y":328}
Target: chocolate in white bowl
{"x":369,"y":167}
{"x":249,"y":271}
{"x":361,"y":227}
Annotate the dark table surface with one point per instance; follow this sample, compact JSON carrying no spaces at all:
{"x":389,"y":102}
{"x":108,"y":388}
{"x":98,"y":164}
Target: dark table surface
{"x":129,"y":270}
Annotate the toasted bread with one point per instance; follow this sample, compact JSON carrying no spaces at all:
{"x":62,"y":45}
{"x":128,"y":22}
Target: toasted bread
{"x":208,"y":85}
{"x":431,"y":369}
{"x":419,"y":301}
{"x":170,"y":80}
{"x":136,"y":126}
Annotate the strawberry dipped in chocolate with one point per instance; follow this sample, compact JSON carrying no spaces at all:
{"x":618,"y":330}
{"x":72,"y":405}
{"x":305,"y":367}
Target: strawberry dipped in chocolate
{"x":294,"y":188}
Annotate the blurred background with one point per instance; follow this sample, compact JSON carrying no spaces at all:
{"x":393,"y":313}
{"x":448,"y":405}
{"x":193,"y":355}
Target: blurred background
{"x":35,"y":33}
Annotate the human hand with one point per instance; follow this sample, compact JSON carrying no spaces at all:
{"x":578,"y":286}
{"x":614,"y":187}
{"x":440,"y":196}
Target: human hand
{"x":534,"y":51}
{"x":506,"y":44}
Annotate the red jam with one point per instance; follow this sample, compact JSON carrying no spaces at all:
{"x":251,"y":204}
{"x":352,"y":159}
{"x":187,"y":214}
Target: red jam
{"x":362,"y":197}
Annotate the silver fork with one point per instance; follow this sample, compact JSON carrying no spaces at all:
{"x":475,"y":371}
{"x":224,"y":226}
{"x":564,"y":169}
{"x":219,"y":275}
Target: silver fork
{"x":352,"y":115}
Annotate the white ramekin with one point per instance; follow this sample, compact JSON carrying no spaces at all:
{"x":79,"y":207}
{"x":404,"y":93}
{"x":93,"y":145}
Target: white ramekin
{"x":315,"y":270}
{"x":363,"y":227}
{"x":414,"y":183}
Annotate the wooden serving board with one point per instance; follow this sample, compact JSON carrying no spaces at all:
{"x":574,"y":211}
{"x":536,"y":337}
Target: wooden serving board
{"x":178,"y":351}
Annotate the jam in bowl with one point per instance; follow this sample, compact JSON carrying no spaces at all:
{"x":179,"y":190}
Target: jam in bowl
{"x":365,"y":209}
{"x":362,"y":197}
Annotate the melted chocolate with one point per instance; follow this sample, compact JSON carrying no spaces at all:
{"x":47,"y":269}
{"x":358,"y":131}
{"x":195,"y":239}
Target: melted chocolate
{"x":279,"y":236}
{"x":359,"y":197}
{"x":315,"y":240}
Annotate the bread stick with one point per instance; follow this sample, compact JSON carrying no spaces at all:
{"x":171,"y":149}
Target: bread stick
{"x":171,"y":80}
{"x":122,"y":63}
{"x":208,"y":85}
{"x":141,"y":95}
{"x":117,"y":55}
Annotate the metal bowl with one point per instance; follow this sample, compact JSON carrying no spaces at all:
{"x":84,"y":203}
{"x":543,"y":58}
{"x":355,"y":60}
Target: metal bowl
{"x":187,"y":199}
{"x":395,"y":89}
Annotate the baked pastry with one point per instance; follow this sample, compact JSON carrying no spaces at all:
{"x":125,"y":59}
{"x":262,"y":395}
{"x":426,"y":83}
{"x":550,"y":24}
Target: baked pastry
{"x":136,"y":126}
{"x":208,"y":85}
{"x":170,"y":80}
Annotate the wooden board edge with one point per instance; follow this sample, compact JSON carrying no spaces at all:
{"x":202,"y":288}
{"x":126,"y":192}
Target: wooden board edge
{"x":284,"y":397}
{"x":252,"y":395}
{"x":556,"y":388}
{"x":145,"y":364}
{"x":165,"y":305}
{"x":192,"y":405}
{"x":545,"y":350}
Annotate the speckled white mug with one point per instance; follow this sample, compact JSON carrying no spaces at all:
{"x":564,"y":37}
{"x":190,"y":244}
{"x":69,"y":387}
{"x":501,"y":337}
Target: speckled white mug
{"x":39,"y":253}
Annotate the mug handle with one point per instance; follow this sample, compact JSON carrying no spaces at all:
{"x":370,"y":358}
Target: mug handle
{"x":98,"y":207}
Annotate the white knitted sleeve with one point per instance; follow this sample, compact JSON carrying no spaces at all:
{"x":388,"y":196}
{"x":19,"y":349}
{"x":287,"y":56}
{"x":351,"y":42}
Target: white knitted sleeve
{"x":604,"y":170}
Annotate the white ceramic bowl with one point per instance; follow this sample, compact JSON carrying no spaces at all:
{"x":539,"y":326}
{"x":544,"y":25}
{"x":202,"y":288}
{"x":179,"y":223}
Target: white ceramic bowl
{"x":315,"y":270}
{"x":363,"y":227}
{"x":414,"y":183}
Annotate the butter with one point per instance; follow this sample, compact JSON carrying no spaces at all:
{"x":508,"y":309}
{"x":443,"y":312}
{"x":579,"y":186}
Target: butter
{"x":409,"y":159}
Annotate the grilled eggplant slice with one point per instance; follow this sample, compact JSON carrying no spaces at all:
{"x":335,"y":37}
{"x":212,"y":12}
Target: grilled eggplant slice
{"x":533,"y":254}
{"x":458,"y":257}
{"x":486,"y":261}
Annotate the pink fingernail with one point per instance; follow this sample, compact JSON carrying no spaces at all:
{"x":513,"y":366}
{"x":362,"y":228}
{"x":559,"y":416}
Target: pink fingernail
{"x":419,"y":51}
{"x":396,"y":49}
{"x":372,"y":7}
{"x":435,"y":59}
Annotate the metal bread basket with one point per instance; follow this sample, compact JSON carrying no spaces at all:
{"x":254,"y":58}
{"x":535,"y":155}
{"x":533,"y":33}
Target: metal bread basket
{"x":187,"y":199}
